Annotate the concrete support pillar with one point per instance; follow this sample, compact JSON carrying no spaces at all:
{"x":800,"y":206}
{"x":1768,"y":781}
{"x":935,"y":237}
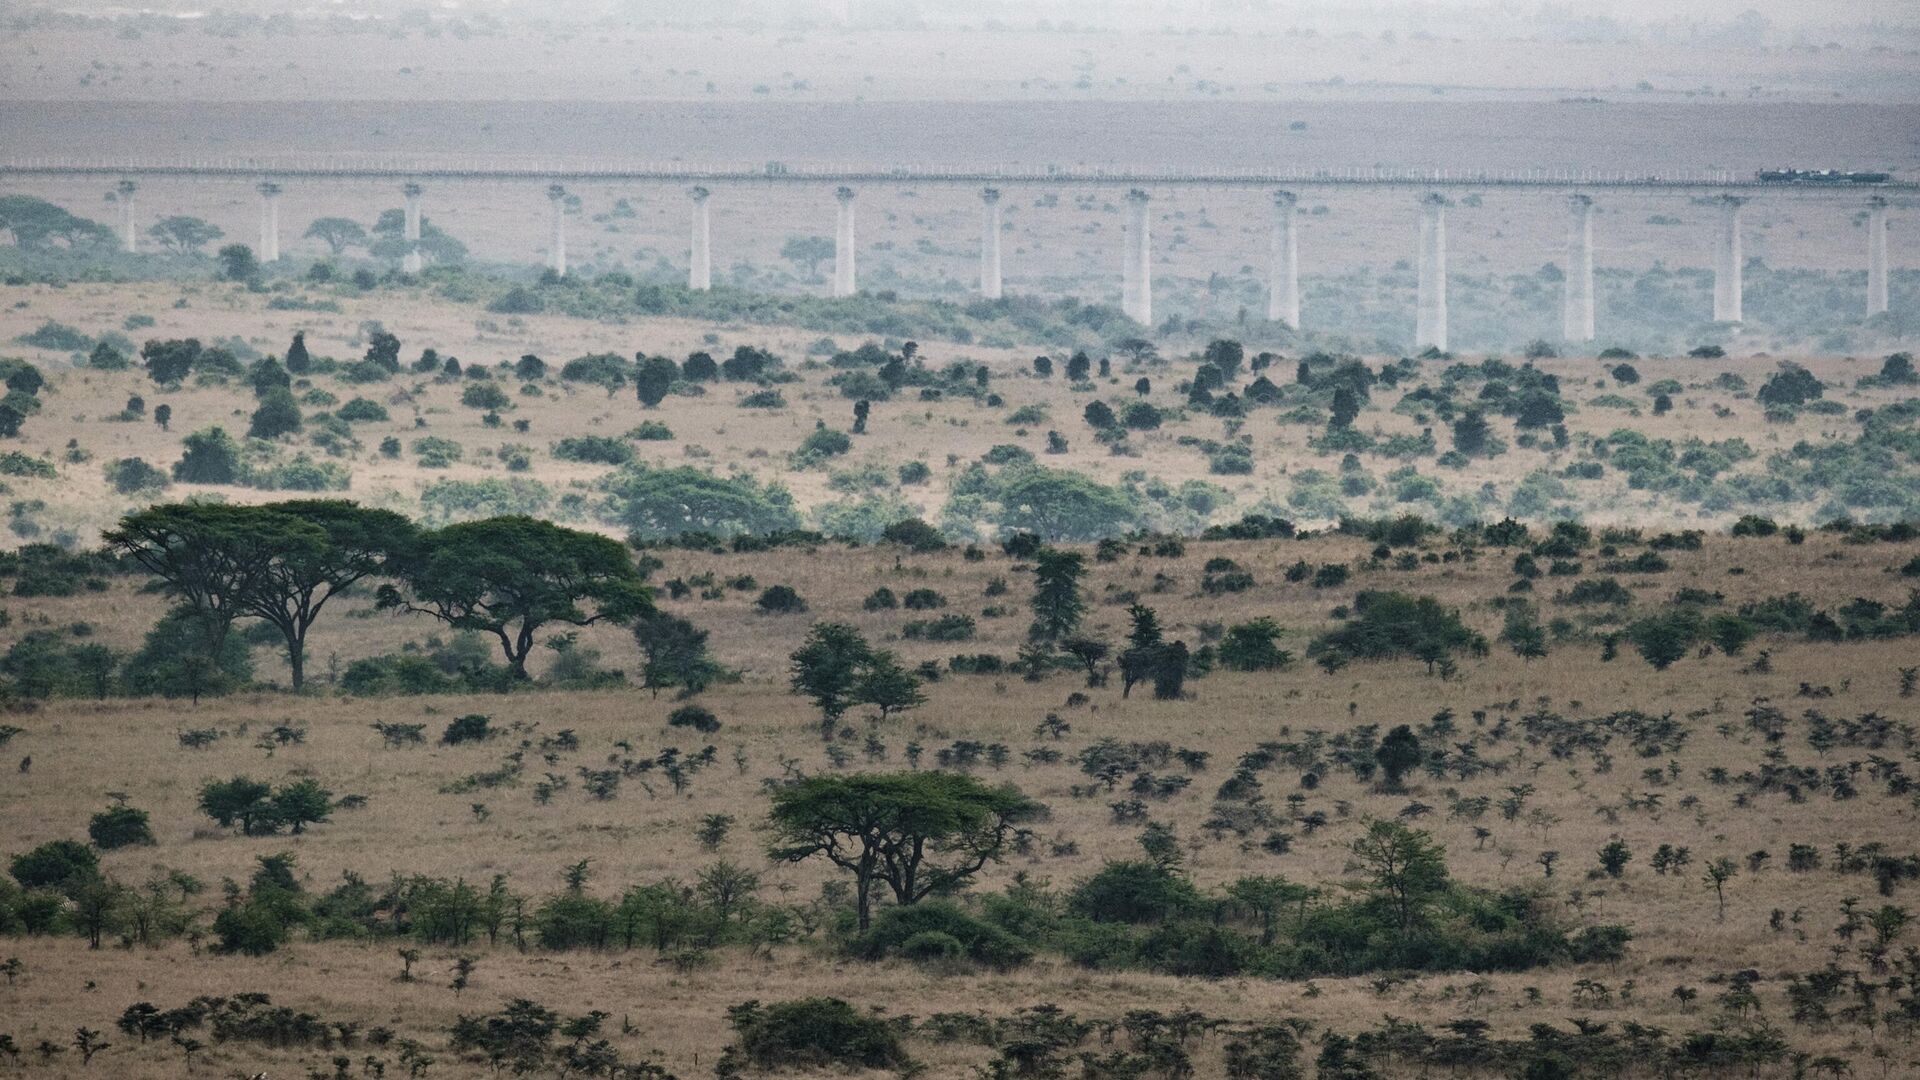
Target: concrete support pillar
{"x":129,"y":230}
{"x":700,"y":262}
{"x":557,"y":260}
{"x":1283,"y":264}
{"x":1136,"y":283}
{"x":1577,"y":324}
{"x":1728,"y":263}
{"x":845,"y":281}
{"x":1430,"y":325}
{"x":990,"y":244}
{"x":269,"y":221}
{"x":411,"y":262}
{"x":1876,"y":256}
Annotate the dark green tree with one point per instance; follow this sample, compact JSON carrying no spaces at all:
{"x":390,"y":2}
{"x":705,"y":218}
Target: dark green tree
{"x":238,"y":263}
{"x":1404,"y":869}
{"x":827,"y":668}
{"x":807,"y":251}
{"x":383,"y":349}
{"x":211,"y":456}
{"x":1470,"y":432}
{"x":277,"y":415}
{"x":918,"y":833}
{"x":887,"y":685}
{"x":1665,"y":638}
{"x":654,"y":379}
{"x":1345,"y":408}
{"x":170,"y":361}
{"x":337,"y":233}
{"x":184,"y":235}
{"x":1398,"y":754}
{"x":675,"y":654}
{"x":353,"y":543}
{"x":240,"y":801}
{"x":510,"y":576}
{"x":214,"y":558}
{"x":1058,"y":605}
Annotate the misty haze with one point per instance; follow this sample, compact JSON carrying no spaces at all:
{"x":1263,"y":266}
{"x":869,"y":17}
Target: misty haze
{"x":1075,"y":539}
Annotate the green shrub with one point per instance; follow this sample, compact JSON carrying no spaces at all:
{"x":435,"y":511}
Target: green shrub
{"x":303,"y":473}
{"x":1392,"y":625}
{"x":780,"y":600}
{"x":445,"y":501}
{"x":950,"y":627}
{"x":651,"y":431}
{"x":118,"y":827}
{"x":1604,"y":590}
{"x":915,"y":932}
{"x":57,"y":336}
{"x":593,"y":449}
{"x":825,"y":442}
{"x":360,"y":410}
{"x":59,"y":865}
{"x":696,"y":717}
{"x":914,"y":534}
{"x":812,"y":1033}
{"x":652,"y":503}
{"x":132,"y":476}
{"x":465,"y":729}
{"x":486,"y":396}
{"x":251,"y":929}
{"x":15,"y":463}
{"x":1134,"y":891}
{"x":211,"y":457}
{"x":435,"y":452}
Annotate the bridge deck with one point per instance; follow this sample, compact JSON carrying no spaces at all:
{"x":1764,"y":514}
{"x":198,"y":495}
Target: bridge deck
{"x":251,"y":169}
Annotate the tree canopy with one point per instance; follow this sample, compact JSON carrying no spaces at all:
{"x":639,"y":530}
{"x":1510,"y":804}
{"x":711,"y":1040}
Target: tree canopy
{"x":184,"y":235}
{"x":917,"y":833}
{"x":337,"y":233}
{"x":38,"y":225}
{"x":654,"y":503}
{"x":1059,"y":504}
{"x":281,"y":562}
{"x":509,"y":576}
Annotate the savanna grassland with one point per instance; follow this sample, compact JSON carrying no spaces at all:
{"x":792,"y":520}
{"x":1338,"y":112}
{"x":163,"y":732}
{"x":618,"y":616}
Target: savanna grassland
{"x":1321,"y":767}
{"x":1747,"y":757}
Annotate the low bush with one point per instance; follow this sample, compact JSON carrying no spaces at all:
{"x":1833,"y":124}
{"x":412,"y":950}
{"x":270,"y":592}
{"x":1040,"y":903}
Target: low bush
{"x":810,"y":1033}
{"x":921,"y":932}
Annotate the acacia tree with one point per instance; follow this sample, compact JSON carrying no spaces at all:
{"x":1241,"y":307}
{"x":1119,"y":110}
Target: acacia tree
{"x":281,"y":562}
{"x":807,"y":251}
{"x":217,"y":559}
{"x":183,"y":235}
{"x":887,"y":685}
{"x":827,"y":668}
{"x":356,"y":543}
{"x":1405,"y":869}
{"x":676,"y":654}
{"x":337,"y":233}
{"x":509,"y":576}
{"x":917,"y":833}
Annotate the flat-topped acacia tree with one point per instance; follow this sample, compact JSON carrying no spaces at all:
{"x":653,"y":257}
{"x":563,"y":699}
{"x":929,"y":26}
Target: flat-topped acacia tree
{"x":280,"y":562}
{"x":509,"y":576}
{"x":917,"y":833}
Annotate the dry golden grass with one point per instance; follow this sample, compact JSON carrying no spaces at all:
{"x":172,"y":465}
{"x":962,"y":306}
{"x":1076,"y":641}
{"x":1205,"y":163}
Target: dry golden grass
{"x":713,"y":432}
{"x":81,"y":750}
